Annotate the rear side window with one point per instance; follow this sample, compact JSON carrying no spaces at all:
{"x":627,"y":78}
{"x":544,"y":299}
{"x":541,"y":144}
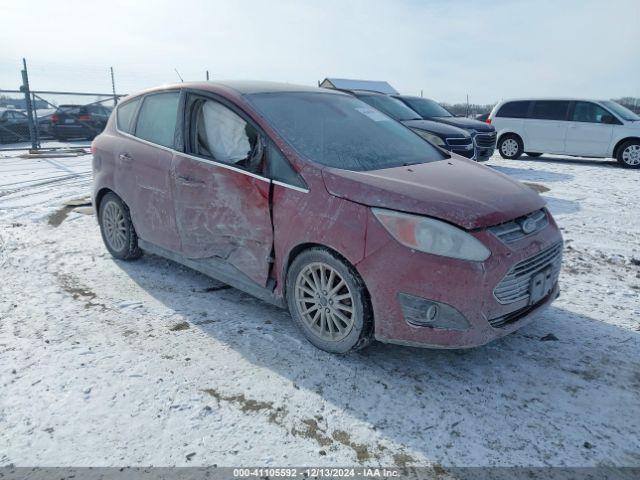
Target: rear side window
{"x":125,"y":114}
{"x":589,"y":112}
{"x":514,"y":110}
{"x":157,"y":118}
{"x":550,"y":110}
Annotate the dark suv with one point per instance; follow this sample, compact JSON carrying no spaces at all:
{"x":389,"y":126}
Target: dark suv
{"x":450,"y":138}
{"x":79,"y":121}
{"x":484,"y":135}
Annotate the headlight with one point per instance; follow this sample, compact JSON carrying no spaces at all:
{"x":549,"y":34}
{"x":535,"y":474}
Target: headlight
{"x":431,"y":236}
{"x":436,"y":140}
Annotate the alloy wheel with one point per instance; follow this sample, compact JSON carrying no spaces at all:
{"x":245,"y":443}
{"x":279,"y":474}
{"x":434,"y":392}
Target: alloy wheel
{"x":509,"y":147}
{"x":631,"y":155}
{"x":324,"y":301}
{"x":115,"y":227}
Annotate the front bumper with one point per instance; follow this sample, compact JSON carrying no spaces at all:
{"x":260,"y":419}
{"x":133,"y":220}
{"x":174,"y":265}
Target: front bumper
{"x":392,"y":272}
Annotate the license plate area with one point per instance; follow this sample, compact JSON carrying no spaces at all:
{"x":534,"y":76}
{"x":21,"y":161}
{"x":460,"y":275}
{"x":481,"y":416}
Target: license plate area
{"x":69,"y":120}
{"x":541,"y":286}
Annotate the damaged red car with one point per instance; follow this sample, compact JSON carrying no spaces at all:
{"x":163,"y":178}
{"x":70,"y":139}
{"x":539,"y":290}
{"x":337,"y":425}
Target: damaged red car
{"x":313,"y":200}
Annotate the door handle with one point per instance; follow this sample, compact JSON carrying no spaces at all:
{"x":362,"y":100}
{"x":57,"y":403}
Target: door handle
{"x":188,"y":180}
{"x":125,"y":158}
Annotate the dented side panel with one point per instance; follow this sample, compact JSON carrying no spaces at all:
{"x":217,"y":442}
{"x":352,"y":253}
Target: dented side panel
{"x":223,"y":213}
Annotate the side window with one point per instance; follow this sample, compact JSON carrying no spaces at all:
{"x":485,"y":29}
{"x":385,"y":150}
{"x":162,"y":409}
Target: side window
{"x":589,"y":112}
{"x":279,"y":168}
{"x":124,"y":115}
{"x":157,"y":118}
{"x":514,"y":110}
{"x":219,"y":133}
{"x":550,"y":110}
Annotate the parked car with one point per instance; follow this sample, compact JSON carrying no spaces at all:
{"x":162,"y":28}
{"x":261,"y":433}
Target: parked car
{"x":311,"y":199}
{"x":577,"y":127}
{"x":14,"y":126}
{"x":79,"y":121}
{"x":450,"y":138}
{"x":45,"y":126}
{"x":484,"y":135}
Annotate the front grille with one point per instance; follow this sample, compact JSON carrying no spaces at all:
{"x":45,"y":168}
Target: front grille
{"x":459,"y":141}
{"x":513,"y":317}
{"x":515,"y":230}
{"x":486,"y":140}
{"x":516,"y":285}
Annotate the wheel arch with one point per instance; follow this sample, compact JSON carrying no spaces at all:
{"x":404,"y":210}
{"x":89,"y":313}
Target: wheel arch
{"x":100,"y":195}
{"x":509,"y":133}
{"x":302,"y":247}
{"x":622,"y":142}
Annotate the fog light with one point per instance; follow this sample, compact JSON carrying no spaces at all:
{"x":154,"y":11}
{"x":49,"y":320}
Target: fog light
{"x":428,"y":313}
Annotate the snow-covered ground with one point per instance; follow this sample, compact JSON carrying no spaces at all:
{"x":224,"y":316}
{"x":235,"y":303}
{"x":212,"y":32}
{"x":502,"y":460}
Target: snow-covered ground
{"x":148,"y":363}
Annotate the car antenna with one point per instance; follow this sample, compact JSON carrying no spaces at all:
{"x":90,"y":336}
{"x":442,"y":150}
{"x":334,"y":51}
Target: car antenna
{"x":179,"y":76}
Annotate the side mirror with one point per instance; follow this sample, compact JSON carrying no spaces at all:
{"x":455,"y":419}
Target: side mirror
{"x":608,"y":119}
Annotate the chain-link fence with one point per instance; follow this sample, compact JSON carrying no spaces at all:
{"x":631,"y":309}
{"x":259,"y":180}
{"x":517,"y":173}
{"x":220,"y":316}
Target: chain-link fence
{"x":35,"y":120}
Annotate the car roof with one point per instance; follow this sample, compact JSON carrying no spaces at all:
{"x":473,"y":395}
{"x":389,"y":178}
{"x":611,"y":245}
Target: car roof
{"x":242,"y":87}
{"x":566,"y":99}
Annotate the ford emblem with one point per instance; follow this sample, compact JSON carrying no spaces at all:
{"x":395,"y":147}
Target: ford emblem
{"x":529,"y":225}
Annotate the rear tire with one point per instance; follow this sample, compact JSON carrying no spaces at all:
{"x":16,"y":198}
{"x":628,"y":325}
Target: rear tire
{"x":510,"y":147}
{"x":329,"y":301}
{"x":532,"y":154}
{"x":116,"y":228}
{"x":629,"y":154}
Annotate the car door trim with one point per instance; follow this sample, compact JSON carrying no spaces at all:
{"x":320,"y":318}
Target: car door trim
{"x":210,"y":162}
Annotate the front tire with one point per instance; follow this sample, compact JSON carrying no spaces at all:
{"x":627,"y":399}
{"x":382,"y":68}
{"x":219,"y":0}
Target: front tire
{"x":329,"y":302}
{"x":510,"y":147}
{"x":116,"y":228}
{"x":629,"y":154}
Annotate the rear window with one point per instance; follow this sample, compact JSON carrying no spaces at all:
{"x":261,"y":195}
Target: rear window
{"x":72,"y":109}
{"x":550,"y":110}
{"x":514,"y":110}
{"x":125,"y":115}
{"x":157,"y":118}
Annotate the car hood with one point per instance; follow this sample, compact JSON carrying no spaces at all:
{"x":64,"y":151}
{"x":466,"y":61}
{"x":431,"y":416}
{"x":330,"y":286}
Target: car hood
{"x":436,"y":127}
{"x":455,"y":190}
{"x":468,"y":123}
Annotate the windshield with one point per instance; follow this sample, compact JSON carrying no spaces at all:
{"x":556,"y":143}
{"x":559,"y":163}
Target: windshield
{"x":426,"y":108}
{"x":391,"y":106}
{"x":341,"y":131}
{"x":621,"y":111}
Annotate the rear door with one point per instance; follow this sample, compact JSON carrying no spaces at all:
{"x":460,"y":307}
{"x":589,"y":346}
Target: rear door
{"x":221,"y":194}
{"x":546,"y":127}
{"x":588,"y":132}
{"x":143,"y":163}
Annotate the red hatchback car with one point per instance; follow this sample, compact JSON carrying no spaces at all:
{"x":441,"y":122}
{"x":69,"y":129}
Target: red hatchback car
{"x":312,"y":199}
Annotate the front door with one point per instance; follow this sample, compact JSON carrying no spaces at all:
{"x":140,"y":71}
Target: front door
{"x":143,"y":158}
{"x":546,"y":127}
{"x":221,"y":197}
{"x":588,"y":133}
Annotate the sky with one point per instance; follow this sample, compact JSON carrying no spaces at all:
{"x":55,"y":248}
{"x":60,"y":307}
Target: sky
{"x":489,"y":49}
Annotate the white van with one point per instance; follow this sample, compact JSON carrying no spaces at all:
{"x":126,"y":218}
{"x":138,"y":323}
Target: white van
{"x":585,"y":128}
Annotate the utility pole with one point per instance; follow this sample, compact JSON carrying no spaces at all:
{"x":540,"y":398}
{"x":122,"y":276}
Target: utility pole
{"x":29,"y":105}
{"x":113,"y":88}
{"x":421,"y":93}
{"x":207,"y":75}
{"x":467,"y":105}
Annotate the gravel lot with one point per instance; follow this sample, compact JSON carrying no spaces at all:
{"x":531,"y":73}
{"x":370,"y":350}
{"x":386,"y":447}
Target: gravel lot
{"x":149,"y":363}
